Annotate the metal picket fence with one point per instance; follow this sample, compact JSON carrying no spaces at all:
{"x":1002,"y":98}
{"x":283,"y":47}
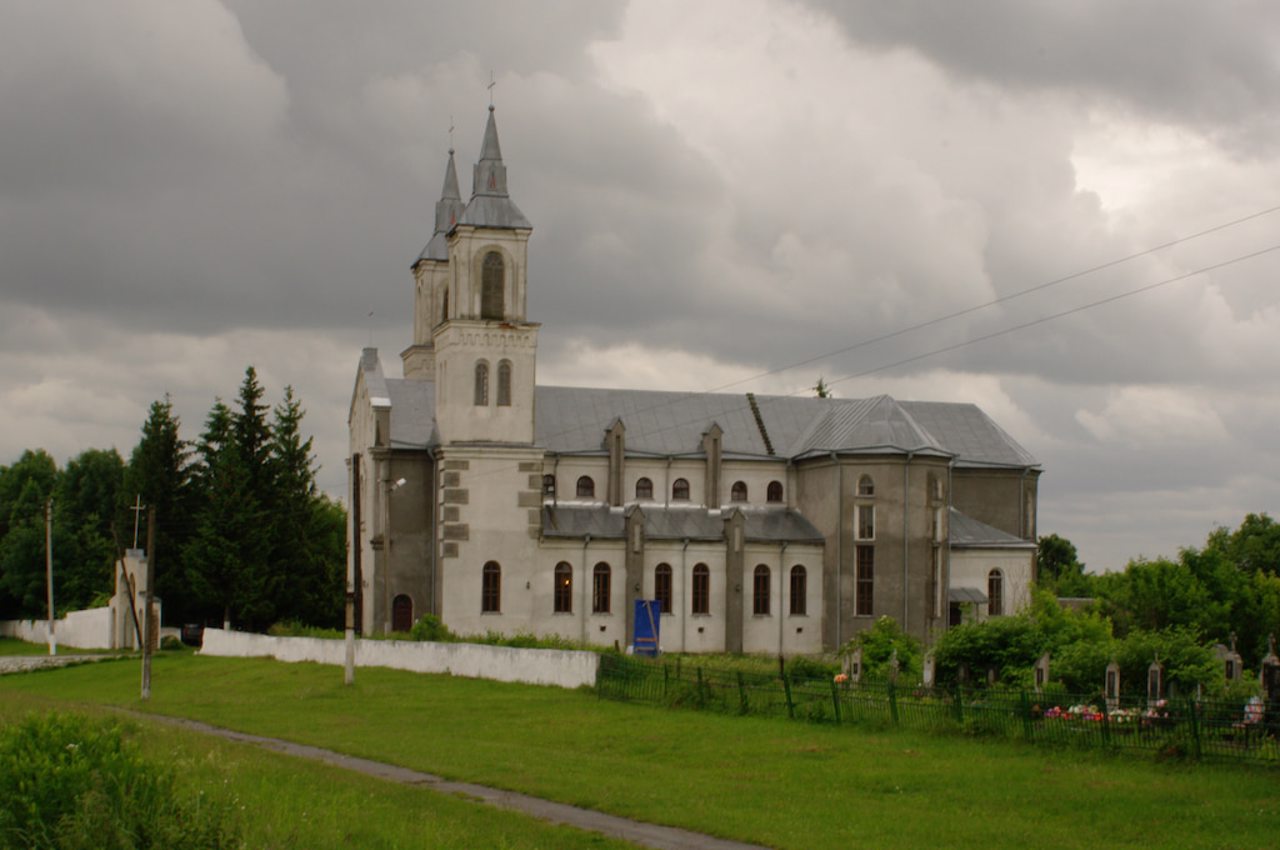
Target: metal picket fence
{"x":1182,"y":727}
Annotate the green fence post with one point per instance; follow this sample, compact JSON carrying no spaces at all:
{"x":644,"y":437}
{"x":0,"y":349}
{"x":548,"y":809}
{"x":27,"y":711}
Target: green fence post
{"x":835,"y":699}
{"x":786,"y":688}
{"x":742,"y":694}
{"x":701,"y":697}
{"x":665,"y":676}
{"x":958,"y":704}
{"x":1027,"y":731}
{"x":1195,"y":727}
{"x":1106,"y":724}
{"x":893,"y":703}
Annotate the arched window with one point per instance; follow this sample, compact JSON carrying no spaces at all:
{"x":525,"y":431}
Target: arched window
{"x":491,"y":285}
{"x":504,"y":383}
{"x":586,"y":487}
{"x":491,"y":588}
{"x":701,"y":590}
{"x":865,"y":519}
{"x":563,"y":588}
{"x":760,"y":590}
{"x":799,"y":591}
{"x":644,"y":489}
{"x":549,"y":485}
{"x":482,"y":384}
{"x":401,"y":613}
{"x":866,"y":487}
{"x":600,"y":589}
{"x":680,"y":490}
{"x":738,"y":493}
{"x":995,"y":593}
{"x":662,"y":587}
{"x":774,"y":493}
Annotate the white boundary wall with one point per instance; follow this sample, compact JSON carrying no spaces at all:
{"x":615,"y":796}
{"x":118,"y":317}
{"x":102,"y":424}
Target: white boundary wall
{"x":89,"y":629}
{"x":560,"y":667}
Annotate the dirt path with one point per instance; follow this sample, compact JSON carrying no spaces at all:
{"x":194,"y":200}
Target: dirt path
{"x":637,"y":832}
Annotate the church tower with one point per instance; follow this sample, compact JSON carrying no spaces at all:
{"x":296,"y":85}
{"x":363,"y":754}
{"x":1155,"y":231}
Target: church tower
{"x":484,"y":347}
{"x":431,"y":278}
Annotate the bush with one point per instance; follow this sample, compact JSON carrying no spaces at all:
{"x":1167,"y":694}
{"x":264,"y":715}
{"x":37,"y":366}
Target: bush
{"x":68,"y":782}
{"x":878,"y":644}
{"x":430,"y":627}
{"x":169,"y":643}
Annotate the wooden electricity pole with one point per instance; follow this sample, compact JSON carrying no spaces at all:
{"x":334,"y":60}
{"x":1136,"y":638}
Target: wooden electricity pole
{"x":148,"y":614}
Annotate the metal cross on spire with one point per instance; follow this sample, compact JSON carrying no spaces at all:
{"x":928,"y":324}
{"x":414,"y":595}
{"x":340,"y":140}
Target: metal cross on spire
{"x":492,"y":83}
{"x":451,"y":134}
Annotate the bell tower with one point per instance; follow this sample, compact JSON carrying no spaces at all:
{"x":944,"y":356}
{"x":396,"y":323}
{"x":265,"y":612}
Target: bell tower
{"x":431,"y":280}
{"x":484,"y":347}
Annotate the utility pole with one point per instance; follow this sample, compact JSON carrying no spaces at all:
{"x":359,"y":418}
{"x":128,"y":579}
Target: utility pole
{"x":148,"y":614}
{"x":48,"y":570}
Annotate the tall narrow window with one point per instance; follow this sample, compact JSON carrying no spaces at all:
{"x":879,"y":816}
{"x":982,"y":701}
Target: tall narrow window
{"x":491,"y":588}
{"x":760,"y":590}
{"x":586,"y":487}
{"x":799,"y":591}
{"x":644,"y":489}
{"x":701,"y":590}
{"x":738,"y":493}
{"x":491,"y":284}
{"x":866,"y":566}
{"x":600,"y":589}
{"x":662,"y":587}
{"x":549,"y":486}
{"x":482,"y":384}
{"x":504,"y":383}
{"x":995,"y":593}
{"x":774,"y":492}
{"x":563,"y":588}
{"x":444,"y":306}
{"x":866,"y":522}
{"x":680,"y":490}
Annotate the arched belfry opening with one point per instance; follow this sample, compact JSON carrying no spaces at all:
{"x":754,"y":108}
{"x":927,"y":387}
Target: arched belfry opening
{"x":491,"y":286}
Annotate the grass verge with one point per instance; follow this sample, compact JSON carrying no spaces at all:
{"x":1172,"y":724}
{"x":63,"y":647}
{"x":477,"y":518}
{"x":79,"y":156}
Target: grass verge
{"x":789,"y":785}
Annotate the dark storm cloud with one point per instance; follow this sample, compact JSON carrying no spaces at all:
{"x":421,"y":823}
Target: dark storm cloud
{"x":1214,"y":64}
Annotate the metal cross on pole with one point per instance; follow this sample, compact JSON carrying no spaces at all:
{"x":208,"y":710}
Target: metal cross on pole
{"x":137,"y":512}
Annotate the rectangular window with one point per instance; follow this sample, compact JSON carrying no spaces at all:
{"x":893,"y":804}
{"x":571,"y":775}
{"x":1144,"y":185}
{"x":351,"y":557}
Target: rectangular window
{"x":701,"y":590}
{"x":866,"y":522}
{"x":866,"y":565}
{"x":600,"y":590}
{"x":662,"y":588}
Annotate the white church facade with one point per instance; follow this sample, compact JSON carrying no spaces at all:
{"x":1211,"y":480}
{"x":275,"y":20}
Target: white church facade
{"x":759,"y":523}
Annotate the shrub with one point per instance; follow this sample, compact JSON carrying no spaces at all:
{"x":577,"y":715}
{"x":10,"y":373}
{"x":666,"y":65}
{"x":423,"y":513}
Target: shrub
{"x":878,"y":644}
{"x":69,"y":782}
{"x":430,"y":627}
{"x":169,"y":643}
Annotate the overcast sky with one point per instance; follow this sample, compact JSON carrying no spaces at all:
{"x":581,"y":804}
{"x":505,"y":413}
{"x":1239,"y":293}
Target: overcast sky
{"x":718,"y":190}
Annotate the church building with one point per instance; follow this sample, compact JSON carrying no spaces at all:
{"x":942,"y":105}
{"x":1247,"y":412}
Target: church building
{"x":770,"y":524}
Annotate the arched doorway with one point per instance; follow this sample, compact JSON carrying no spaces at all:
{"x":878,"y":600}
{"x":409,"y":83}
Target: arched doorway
{"x":401,"y":613}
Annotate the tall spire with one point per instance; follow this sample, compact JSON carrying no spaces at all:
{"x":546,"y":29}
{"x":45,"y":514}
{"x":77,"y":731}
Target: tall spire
{"x":448,"y":210}
{"x":490,"y":205}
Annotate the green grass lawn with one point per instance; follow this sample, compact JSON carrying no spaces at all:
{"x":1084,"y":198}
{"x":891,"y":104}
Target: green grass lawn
{"x":785,"y":784}
{"x":13,"y":646}
{"x":284,"y":802}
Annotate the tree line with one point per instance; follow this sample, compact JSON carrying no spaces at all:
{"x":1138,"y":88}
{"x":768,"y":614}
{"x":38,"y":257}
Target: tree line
{"x":1225,"y":592}
{"x":242,"y":534}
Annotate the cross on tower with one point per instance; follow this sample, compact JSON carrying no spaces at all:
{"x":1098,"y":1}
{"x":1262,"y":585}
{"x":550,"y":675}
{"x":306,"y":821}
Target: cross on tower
{"x":451,"y":132}
{"x":137,"y":509}
{"x":492,"y":83}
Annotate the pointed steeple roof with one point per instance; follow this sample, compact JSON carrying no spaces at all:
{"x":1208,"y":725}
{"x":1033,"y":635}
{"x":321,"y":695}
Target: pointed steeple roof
{"x":490,"y":205}
{"x":448,"y":210}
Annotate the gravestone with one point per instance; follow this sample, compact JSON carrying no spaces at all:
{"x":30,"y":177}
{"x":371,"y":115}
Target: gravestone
{"x":1269,"y":673}
{"x":894,"y":666}
{"x":1111,"y":686}
{"x":1232,"y":665}
{"x":929,"y":670}
{"x":1155,"y":682}
{"x":1042,"y":672}
{"x":853,"y":665}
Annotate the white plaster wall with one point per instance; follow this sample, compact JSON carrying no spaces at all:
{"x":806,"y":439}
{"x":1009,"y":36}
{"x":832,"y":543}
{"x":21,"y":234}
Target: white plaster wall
{"x":89,"y":629}
{"x":561,"y":668}
{"x":567,"y":471}
{"x":969,"y":568}
{"x":780,"y":631}
{"x":756,"y":475}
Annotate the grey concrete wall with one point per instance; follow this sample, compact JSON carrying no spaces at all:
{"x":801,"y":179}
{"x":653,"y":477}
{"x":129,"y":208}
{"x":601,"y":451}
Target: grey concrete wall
{"x":997,"y":497}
